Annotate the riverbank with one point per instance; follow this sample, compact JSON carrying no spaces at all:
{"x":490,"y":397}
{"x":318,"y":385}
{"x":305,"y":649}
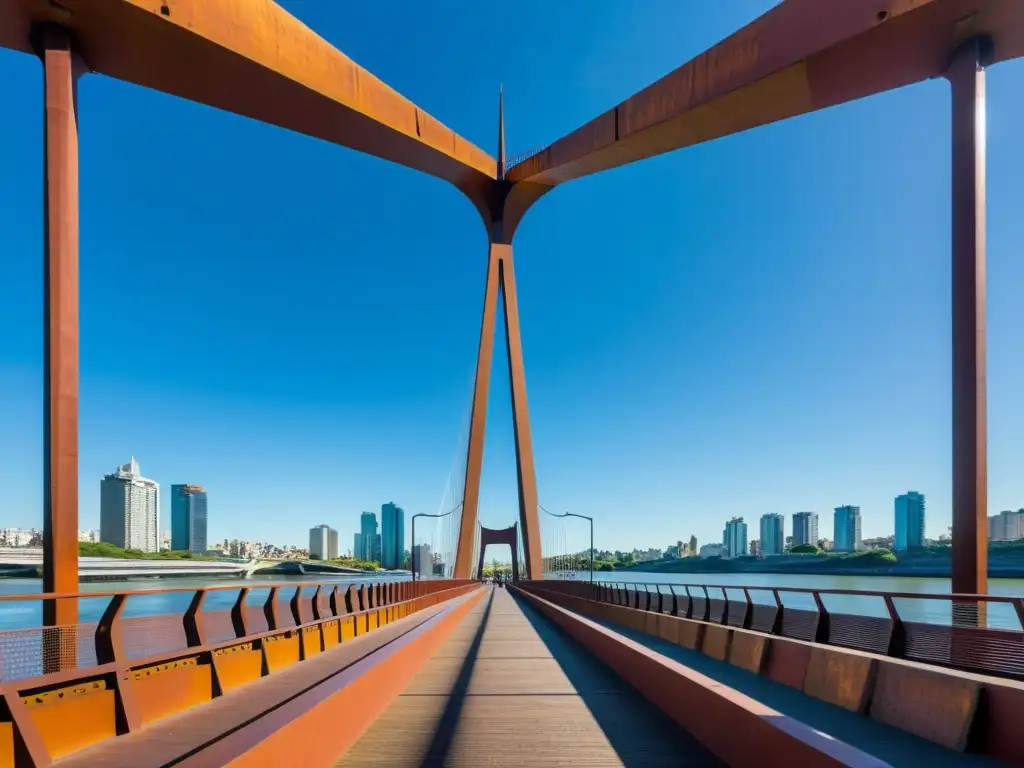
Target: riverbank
{"x":1001,"y":565}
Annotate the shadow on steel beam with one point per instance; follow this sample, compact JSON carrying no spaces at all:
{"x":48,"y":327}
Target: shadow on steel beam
{"x":441,"y":743}
{"x":891,"y":745}
{"x":631,"y":723}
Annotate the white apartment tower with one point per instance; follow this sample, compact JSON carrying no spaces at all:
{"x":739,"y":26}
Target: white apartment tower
{"x":130,"y":509}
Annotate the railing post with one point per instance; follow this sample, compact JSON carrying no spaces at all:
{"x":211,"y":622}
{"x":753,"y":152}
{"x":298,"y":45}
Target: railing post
{"x":270,"y":610}
{"x":60,"y":344}
{"x":748,"y":615}
{"x":777,"y":622}
{"x":821,"y":633}
{"x":966,"y":75}
{"x":315,"y":603}
{"x":897,"y":646}
{"x":296,"y":606}
{"x":239,"y":620}
{"x":707,"y":604}
{"x":689,"y":602}
{"x":333,"y":601}
{"x":725,"y":608}
{"x":195,"y":634}
{"x":351,"y":599}
{"x":675,"y":601}
{"x":109,"y":642}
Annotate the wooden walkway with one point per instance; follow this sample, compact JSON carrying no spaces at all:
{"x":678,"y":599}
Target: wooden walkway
{"x":508,"y":689}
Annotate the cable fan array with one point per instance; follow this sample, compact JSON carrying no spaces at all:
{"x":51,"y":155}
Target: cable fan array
{"x":437,"y":537}
{"x":565,"y":545}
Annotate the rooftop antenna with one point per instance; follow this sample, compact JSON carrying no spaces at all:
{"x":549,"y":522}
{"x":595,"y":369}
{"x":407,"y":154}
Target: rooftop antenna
{"x":501,"y":133}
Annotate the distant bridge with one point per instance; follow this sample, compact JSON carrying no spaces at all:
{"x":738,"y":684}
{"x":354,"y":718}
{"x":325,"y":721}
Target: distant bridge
{"x":102,"y":568}
{"x":30,"y":559}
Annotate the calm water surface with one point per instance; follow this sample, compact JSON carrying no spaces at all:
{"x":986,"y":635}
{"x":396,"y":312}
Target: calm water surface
{"x":1001,"y":615}
{"x":28,"y":613}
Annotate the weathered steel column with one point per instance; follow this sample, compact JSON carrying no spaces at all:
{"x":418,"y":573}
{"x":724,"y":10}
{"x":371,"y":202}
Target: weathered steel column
{"x":478,"y":422}
{"x":966,"y":74}
{"x":60,"y":357}
{"x":529,"y":515}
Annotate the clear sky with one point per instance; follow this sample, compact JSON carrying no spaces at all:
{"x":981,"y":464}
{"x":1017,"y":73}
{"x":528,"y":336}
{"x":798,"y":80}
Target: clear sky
{"x":756,"y":325}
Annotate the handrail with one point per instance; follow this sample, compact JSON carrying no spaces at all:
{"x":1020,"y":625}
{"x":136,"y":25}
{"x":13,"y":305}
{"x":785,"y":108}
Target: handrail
{"x":828,"y":591}
{"x":230,"y":587}
{"x":966,"y":637}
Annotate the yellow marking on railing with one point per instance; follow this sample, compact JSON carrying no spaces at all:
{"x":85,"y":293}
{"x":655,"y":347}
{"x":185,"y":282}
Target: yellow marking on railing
{"x":233,"y":649}
{"x":139,"y":674}
{"x":277,"y":638}
{"x":49,"y":697}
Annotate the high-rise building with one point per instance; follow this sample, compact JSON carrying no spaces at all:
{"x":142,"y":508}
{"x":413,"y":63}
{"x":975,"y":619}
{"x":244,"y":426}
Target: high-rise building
{"x":188,"y":518}
{"x":130,"y":509}
{"x":1006,"y":526}
{"x":370,"y":538}
{"x":392,"y":525}
{"x":805,"y":528}
{"x":909,"y":510}
{"x":735,"y":537}
{"x":422,"y":559}
{"x":323,"y":543}
{"x":357,"y":550}
{"x":693,"y":546}
{"x":773,"y":534}
{"x":847,"y":529}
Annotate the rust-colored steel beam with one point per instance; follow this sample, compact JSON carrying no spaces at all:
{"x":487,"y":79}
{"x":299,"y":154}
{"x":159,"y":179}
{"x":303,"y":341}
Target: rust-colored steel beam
{"x":799,"y":57}
{"x":500,"y":278}
{"x":489,"y":536}
{"x":253,"y":58}
{"x":970,"y":471}
{"x":478,"y":421}
{"x":60,"y":338}
{"x":529,"y":516}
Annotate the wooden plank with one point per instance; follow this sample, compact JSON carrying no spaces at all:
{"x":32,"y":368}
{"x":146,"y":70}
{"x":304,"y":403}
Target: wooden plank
{"x":508,"y":689}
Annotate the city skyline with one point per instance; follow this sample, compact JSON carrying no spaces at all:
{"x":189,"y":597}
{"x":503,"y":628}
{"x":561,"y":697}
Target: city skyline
{"x":718,"y":358}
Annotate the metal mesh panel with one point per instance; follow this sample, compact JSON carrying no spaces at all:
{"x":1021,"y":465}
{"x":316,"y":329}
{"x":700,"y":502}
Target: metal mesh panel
{"x":799,"y":624}
{"x":763,"y":617}
{"x":32,"y":652}
{"x":682,"y":604}
{"x":737,"y":612}
{"x":255,"y":620}
{"x":718,"y":606}
{"x":700,"y":605}
{"x":218,"y":626}
{"x":150,"y":635}
{"x":984,"y":650}
{"x":865,"y":633}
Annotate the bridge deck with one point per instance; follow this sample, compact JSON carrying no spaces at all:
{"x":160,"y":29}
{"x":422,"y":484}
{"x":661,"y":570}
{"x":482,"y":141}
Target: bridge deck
{"x":508,"y":688}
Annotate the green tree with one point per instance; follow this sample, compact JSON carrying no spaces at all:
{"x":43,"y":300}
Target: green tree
{"x":805,"y":549}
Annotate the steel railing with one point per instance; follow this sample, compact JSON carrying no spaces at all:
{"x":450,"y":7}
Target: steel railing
{"x":978,"y":633}
{"x":124,"y":625}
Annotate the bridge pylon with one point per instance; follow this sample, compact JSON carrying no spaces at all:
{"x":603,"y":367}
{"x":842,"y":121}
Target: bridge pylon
{"x":502,"y":214}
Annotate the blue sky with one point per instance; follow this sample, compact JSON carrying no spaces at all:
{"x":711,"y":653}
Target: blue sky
{"x":756,"y":325}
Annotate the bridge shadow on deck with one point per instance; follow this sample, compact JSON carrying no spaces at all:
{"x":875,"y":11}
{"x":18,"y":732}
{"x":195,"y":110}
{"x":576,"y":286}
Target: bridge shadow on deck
{"x":510,"y":689}
{"x":894,"y":746}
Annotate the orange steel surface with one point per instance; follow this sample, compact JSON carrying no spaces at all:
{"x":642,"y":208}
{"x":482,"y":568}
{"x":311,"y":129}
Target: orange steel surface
{"x":799,"y":57}
{"x":255,"y":59}
{"x":63,"y":712}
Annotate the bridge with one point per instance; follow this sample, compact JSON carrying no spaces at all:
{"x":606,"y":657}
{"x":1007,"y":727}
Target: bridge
{"x":446,"y":671}
{"x":30,"y":559}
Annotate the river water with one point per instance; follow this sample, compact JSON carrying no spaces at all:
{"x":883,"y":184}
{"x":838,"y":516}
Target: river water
{"x":28,"y":613}
{"x":18,"y":614}
{"x":1001,"y":615}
